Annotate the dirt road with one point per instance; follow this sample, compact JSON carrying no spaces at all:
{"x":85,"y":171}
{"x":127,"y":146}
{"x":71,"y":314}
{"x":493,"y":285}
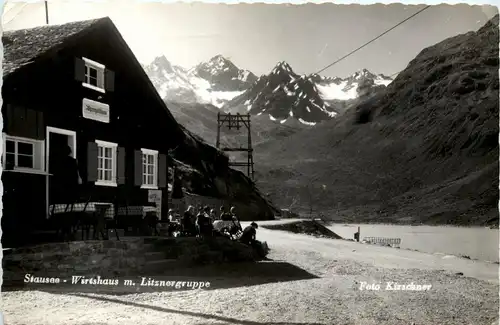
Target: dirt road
{"x":381,"y":256}
{"x":315,"y":281}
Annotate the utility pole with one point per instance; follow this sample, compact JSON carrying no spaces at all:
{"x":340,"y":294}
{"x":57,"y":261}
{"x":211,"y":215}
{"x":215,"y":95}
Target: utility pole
{"x":237,"y":121}
{"x":46,"y":12}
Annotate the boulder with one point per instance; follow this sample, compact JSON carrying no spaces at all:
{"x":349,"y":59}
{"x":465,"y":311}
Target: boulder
{"x":308,"y":227}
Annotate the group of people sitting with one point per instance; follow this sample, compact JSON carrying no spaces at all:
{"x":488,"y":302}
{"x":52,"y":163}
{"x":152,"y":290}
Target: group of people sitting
{"x":206,"y":223}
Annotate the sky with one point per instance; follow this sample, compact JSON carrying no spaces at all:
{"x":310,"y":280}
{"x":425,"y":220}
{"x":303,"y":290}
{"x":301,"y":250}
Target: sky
{"x":257,"y":36}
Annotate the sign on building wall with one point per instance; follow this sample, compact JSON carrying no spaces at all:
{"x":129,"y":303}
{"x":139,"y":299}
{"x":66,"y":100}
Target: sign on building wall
{"x":95,"y":111}
{"x":155,"y":196}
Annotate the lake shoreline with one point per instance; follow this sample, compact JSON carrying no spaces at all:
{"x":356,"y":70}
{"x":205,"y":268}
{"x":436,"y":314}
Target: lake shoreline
{"x":444,"y":254}
{"x":328,"y":223}
{"x":473,"y":243}
{"x":367,"y":223}
{"x":465,"y":255}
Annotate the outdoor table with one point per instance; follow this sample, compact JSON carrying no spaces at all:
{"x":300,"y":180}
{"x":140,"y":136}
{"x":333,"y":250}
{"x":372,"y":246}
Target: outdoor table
{"x":100,"y":210}
{"x":136,"y":210}
{"x":80,"y":207}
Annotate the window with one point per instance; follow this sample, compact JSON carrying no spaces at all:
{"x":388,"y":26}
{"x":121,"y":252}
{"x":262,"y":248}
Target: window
{"x":22,"y":154}
{"x":94,"y":75}
{"x":106,"y":163}
{"x":149,"y":168}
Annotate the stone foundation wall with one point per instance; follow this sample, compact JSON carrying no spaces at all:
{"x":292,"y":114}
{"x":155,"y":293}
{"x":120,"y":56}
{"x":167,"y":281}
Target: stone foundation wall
{"x":120,"y":258}
{"x":192,"y":251}
{"x":75,"y":258}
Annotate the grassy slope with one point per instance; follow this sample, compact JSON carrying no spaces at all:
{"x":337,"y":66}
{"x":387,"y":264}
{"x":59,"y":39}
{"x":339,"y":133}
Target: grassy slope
{"x":429,"y":154}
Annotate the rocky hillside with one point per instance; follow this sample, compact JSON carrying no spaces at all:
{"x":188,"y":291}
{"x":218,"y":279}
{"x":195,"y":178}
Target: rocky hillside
{"x":424,"y":150}
{"x":203,"y":170}
{"x":307,"y":227}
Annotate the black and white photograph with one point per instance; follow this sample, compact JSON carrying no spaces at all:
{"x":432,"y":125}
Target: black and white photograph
{"x":191,"y":163}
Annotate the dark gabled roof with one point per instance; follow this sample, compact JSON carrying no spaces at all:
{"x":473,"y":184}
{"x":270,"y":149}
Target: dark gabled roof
{"x":26,"y":45}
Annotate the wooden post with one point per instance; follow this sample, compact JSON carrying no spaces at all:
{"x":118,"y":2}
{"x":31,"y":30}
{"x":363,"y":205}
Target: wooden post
{"x":249,"y":153}
{"x":217,"y":143}
{"x":46,"y":13}
{"x":359,"y":233}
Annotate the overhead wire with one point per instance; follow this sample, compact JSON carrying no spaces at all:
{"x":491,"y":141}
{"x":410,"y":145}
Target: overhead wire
{"x":17,"y":14}
{"x":374,"y":39}
{"x":395,"y":73}
{"x":323,"y":69}
{"x":10,"y":9}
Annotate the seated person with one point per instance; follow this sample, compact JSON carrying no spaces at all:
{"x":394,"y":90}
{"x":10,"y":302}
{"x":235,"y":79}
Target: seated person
{"x":223,"y":213}
{"x":204,"y":224}
{"x":213,"y":215}
{"x":187,"y":222}
{"x":249,"y":234}
{"x":226,"y":217}
{"x":234,"y":218}
{"x":171,"y":222}
{"x":248,"y":238}
{"x":177,"y":216}
{"x":171,"y":217}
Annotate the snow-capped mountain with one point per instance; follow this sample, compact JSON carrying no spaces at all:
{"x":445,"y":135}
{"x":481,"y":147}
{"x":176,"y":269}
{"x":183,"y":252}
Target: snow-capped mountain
{"x":349,"y":88}
{"x":214,"y":82}
{"x":223,"y":75}
{"x":283,"y":94}
{"x":171,"y":81}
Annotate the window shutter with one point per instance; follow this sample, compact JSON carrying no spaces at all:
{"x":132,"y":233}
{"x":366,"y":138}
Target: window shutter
{"x":162,"y":171}
{"x":92,"y":162}
{"x":9,"y":119}
{"x":16,"y":121}
{"x":30,"y":124}
{"x":109,"y":80}
{"x":40,"y":126}
{"x":120,"y":165}
{"x":79,"y":70}
{"x":138,"y":168}
{"x":22,"y":122}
